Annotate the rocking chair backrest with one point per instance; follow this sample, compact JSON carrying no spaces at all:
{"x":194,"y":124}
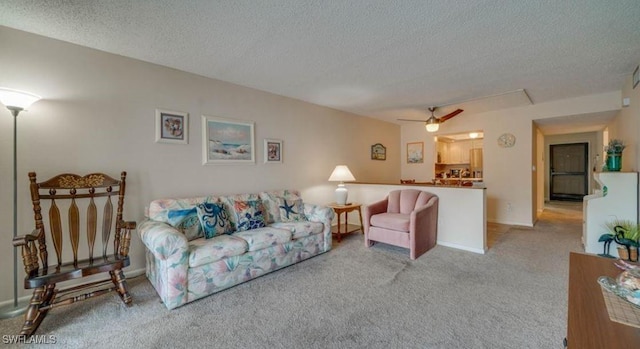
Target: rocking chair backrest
{"x":74,"y":190}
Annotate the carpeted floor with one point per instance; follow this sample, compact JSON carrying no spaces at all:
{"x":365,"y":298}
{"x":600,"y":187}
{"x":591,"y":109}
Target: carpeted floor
{"x":354,"y":297}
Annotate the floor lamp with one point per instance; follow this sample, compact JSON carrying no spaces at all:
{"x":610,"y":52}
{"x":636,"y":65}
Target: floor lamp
{"x":16,"y":101}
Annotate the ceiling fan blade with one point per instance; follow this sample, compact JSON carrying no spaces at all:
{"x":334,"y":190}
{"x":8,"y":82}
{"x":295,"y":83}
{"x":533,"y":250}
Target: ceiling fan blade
{"x":411,"y":120}
{"x":450,"y":115}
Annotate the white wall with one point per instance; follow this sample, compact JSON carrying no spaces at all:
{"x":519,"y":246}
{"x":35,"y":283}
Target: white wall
{"x":627,"y":126}
{"x":98,"y":115}
{"x":507,"y":171}
{"x":539,"y":176}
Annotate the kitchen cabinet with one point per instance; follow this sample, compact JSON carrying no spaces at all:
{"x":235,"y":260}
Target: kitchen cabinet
{"x":441,"y":156}
{"x":457,"y":153}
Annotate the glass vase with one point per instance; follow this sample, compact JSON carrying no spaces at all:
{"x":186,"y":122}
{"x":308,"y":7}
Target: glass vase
{"x":614,"y":161}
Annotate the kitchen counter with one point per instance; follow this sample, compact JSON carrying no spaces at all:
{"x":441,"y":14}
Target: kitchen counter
{"x":451,"y":183}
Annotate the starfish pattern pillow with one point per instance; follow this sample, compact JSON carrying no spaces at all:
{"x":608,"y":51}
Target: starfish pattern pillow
{"x":291,"y":210}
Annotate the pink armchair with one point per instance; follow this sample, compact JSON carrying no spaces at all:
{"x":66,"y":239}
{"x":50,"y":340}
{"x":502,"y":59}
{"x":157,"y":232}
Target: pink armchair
{"x":407,"y":218}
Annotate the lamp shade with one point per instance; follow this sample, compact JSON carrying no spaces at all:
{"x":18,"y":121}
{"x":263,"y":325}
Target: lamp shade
{"x":16,"y":98}
{"x":341,"y":174}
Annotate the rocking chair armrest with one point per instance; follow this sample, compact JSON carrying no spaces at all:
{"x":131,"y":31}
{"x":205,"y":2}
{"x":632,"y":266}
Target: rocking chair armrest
{"x":23,"y":240}
{"x":127,"y":225}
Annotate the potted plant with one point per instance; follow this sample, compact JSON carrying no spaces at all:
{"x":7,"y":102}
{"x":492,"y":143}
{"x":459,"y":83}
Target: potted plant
{"x":626,"y":234}
{"x":614,"y":154}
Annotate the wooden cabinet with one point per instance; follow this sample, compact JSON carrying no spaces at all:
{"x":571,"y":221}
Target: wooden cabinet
{"x":441,"y":156}
{"x":456,"y":153}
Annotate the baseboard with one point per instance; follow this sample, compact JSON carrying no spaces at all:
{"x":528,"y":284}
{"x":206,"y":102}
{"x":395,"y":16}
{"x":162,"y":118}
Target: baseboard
{"x":135,"y":273}
{"x":129,"y":274}
{"x":515,"y":224}
{"x":462,"y":247}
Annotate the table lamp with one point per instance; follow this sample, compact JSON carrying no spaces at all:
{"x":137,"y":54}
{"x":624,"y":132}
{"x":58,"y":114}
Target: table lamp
{"x":341,"y":174}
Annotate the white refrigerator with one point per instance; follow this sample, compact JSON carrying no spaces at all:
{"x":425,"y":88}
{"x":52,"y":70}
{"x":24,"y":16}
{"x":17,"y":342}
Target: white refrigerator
{"x":617,"y":198}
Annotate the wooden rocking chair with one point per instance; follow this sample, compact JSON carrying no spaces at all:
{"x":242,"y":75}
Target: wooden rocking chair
{"x":66,"y":191}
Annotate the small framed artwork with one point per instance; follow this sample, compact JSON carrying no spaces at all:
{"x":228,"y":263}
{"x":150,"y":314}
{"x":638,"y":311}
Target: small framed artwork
{"x":378,"y":152}
{"x":636,"y":76}
{"x":172,"y":127}
{"x":272,"y":151}
{"x":227,"y":141}
{"x":415,"y":153}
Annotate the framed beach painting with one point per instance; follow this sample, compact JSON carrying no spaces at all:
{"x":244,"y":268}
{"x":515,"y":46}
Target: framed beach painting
{"x":415,"y":153}
{"x":272,"y":151}
{"x":172,"y":127}
{"x":227,"y":141}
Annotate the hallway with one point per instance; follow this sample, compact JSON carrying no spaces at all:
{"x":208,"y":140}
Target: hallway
{"x":565,"y":216}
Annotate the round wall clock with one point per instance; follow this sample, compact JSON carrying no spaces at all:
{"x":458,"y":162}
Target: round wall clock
{"x":506,"y":140}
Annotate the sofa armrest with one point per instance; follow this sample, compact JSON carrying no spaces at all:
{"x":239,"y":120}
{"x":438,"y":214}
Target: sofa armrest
{"x":324,"y":215}
{"x":162,"y":240}
{"x":423,"y":226}
{"x":373,"y":209}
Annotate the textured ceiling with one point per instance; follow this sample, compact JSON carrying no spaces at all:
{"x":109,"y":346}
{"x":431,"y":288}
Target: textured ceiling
{"x":387,"y":59}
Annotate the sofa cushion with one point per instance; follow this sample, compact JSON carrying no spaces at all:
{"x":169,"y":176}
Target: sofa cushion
{"x":214,"y":218}
{"x":186,"y":221}
{"x":300,"y":229}
{"x":250,"y":214}
{"x":260,"y":238}
{"x":270,"y":202}
{"x":393,"y":221}
{"x":205,"y":251}
{"x":291,"y":210}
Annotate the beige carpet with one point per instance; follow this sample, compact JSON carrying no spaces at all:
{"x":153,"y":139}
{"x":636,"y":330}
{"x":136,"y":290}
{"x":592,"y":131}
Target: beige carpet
{"x":355,"y":297}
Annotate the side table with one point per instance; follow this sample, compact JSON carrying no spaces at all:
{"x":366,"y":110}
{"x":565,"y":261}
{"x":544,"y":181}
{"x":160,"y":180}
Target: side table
{"x":348,"y":228}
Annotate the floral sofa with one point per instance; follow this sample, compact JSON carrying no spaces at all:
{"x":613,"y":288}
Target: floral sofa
{"x":199,"y":246}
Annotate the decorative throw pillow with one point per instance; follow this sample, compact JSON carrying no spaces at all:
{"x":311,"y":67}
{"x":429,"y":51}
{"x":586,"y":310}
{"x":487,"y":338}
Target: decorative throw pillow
{"x":186,"y":221}
{"x":291,"y":210}
{"x":250,"y":214}
{"x":214,"y":219}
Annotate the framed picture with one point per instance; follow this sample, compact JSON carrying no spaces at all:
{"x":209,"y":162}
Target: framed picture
{"x":378,"y":152}
{"x":272,"y":151}
{"x":636,"y":76}
{"x":172,"y":127}
{"x":227,"y":141}
{"x":415,"y":153}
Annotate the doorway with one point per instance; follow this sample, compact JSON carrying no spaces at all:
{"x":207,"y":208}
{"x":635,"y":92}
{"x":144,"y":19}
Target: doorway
{"x":569,"y":171}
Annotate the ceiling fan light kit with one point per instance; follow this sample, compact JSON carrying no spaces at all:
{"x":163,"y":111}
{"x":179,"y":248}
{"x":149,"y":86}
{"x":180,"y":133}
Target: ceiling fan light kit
{"x":432,"y":124}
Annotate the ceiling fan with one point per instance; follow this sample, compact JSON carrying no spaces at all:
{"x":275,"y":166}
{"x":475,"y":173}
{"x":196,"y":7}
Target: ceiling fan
{"x":432,"y":124}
